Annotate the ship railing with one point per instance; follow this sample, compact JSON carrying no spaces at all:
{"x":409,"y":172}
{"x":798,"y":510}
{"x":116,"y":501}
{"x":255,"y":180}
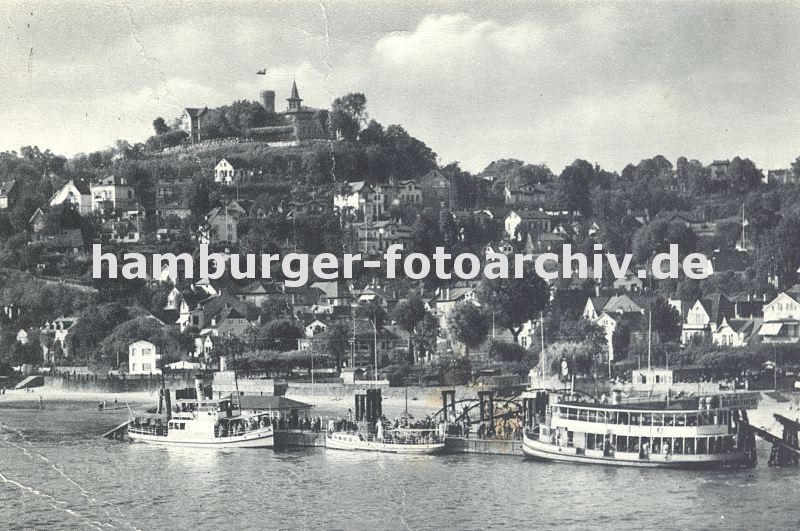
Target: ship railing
{"x":220,"y":433}
{"x":715,"y":417}
{"x":148,"y":430}
{"x":403,"y":439}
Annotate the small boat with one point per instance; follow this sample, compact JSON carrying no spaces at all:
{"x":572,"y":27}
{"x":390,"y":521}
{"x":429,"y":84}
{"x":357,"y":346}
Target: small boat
{"x":203,"y":423}
{"x":397,"y":441}
{"x":699,"y":432}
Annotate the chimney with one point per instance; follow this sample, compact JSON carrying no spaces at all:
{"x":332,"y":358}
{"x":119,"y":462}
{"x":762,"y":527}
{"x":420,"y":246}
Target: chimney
{"x":268,"y":100}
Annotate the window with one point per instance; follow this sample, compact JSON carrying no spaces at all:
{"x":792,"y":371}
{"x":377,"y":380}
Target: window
{"x":622,"y":443}
{"x":678,"y":446}
{"x":702,"y":445}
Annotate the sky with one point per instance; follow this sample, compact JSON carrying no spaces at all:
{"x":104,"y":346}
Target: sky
{"x":609,"y":82}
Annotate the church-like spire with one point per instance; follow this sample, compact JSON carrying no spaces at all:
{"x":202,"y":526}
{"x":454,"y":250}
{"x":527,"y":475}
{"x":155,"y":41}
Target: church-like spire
{"x":295,"y":100}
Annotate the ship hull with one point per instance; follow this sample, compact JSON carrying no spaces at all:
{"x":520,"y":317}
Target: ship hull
{"x":254,"y":440}
{"x":352,"y":444}
{"x":539,"y":451}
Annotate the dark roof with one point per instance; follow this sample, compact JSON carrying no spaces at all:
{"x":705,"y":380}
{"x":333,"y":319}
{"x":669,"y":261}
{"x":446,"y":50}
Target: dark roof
{"x":295,"y":94}
{"x":194,"y":112}
{"x":81,"y":185}
{"x":532,"y":214}
{"x":716,"y":306}
{"x":275,"y":403}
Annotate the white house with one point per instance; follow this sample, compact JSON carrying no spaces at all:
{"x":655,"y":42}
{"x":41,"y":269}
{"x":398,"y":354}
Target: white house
{"x":75,"y":193}
{"x":224,"y":172}
{"x":112,"y":193}
{"x":735,"y":332}
{"x":359,"y":196}
{"x":781,"y":320}
{"x":143,"y":358}
{"x":529,"y":221}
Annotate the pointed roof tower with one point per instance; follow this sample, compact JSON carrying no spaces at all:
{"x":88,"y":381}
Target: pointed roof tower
{"x":295,"y":100}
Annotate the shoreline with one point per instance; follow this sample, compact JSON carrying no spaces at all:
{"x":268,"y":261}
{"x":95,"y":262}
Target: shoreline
{"x":324,"y":402}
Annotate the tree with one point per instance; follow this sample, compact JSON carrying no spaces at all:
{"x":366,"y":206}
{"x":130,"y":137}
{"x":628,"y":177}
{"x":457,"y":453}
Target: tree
{"x":336,"y":342}
{"x":427,"y":333}
{"x":666,"y":320}
{"x":781,"y":254}
{"x":728,"y":233}
{"x":160,"y":126}
{"x":514,"y":301}
{"x":743,"y":175}
{"x":796,"y":168}
{"x":409,"y":314}
{"x":280,"y":334}
{"x":508,"y":352}
{"x":574,"y":187}
{"x":348,"y":115}
{"x":467,"y":325}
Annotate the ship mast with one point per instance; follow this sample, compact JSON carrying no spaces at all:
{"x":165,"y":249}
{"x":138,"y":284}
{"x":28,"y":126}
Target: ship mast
{"x":649,"y":339}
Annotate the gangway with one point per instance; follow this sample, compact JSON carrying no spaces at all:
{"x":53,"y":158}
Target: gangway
{"x":34,"y":380}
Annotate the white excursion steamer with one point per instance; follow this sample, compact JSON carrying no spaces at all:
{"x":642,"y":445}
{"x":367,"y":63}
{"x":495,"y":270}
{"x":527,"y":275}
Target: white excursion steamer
{"x":203,"y":423}
{"x":403,"y":441}
{"x":697,"y":433}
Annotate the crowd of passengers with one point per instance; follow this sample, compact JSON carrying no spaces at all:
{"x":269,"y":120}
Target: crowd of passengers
{"x":647,"y":446}
{"x":236,"y":427}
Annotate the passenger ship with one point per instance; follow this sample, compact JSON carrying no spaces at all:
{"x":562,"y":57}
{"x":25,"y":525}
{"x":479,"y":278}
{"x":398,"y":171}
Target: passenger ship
{"x":701,"y":432}
{"x":203,"y":423}
{"x":399,"y":441}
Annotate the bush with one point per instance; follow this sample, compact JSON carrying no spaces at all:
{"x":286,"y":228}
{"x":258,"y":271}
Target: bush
{"x":509,"y":352}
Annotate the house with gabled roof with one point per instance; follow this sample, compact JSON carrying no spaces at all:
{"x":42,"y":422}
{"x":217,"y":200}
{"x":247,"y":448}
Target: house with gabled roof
{"x":112,"y":193}
{"x":225,"y":172}
{"x":736,"y":332}
{"x":782,"y":319}
{"x":75,"y":192}
{"x":527,"y":221}
{"x":523,"y":194}
{"x":6,"y":191}
{"x":705,"y":316}
{"x":192,"y":122}
{"x":435,"y":188}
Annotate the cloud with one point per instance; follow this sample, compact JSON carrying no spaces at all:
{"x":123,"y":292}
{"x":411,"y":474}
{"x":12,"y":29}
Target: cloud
{"x":550,"y":82}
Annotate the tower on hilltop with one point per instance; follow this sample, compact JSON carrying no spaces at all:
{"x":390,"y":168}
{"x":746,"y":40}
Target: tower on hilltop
{"x":295,"y":100}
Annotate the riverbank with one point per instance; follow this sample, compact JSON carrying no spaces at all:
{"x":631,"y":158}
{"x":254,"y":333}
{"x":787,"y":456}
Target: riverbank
{"x":41,"y":395}
{"x":421,"y":402}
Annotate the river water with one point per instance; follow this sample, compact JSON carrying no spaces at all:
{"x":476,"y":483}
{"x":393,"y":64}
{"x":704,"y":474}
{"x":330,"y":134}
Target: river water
{"x":57,"y":473}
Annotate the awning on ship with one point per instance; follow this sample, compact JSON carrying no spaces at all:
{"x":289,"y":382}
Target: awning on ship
{"x":770,"y":329}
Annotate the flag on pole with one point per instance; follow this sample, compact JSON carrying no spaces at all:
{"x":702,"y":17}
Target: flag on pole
{"x":262,"y":72}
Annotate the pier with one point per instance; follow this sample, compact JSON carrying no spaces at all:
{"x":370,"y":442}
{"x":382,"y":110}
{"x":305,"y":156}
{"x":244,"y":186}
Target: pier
{"x":285,"y":439}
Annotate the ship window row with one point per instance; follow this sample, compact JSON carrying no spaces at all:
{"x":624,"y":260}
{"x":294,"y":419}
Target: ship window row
{"x":643,"y":445}
{"x":177,"y":425}
{"x":660,"y":445}
{"x":720,"y":417}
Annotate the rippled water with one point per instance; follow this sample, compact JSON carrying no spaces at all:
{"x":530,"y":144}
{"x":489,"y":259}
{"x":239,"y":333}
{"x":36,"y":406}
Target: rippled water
{"x":55,"y":472}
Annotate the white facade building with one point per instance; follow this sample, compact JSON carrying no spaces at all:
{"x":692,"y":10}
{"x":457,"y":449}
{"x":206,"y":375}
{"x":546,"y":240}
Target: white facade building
{"x":143,"y":358}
